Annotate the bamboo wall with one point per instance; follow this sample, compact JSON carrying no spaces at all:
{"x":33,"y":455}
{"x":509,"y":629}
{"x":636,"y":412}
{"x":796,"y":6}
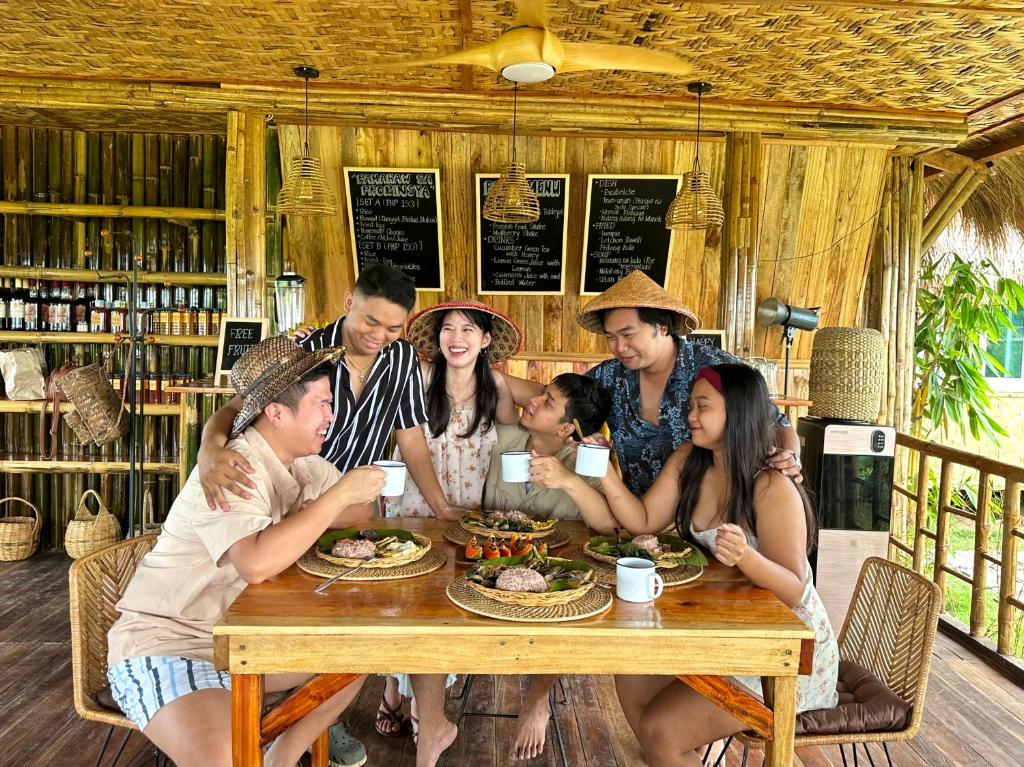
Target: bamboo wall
{"x":63,"y":166}
{"x":813,"y":197}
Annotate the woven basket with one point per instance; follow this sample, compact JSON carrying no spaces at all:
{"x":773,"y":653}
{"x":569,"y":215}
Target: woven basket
{"x":19,"y":536}
{"x":847,"y":372}
{"x":99,"y":412}
{"x":89,"y":532}
{"x":530,"y":598}
{"x":404,"y":559}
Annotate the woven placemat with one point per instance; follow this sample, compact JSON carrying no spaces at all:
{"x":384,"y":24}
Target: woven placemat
{"x":605,"y":572}
{"x":458,"y":535}
{"x":594,"y":602}
{"x":314,"y":565}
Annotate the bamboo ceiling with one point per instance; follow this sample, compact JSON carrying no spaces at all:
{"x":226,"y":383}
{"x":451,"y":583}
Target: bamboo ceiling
{"x":948,"y":58}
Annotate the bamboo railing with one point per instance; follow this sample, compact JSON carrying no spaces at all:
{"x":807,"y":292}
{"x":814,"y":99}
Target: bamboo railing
{"x":988,"y":477}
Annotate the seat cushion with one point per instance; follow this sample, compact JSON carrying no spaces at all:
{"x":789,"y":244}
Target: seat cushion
{"x":105,"y":699}
{"x":865,"y":705}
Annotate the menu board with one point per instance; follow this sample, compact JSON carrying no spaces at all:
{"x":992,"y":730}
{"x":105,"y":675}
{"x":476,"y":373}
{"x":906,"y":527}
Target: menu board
{"x":625,"y":229}
{"x":524,"y":258}
{"x":713,"y":338}
{"x":395,"y":218}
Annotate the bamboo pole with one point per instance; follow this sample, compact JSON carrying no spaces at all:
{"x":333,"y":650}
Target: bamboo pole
{"x":939,"y":223}
{"x":982,"y":527}
{"x":78,"y":196}
{"x":921,"y":515}
{"x":109,"y":211}
{"x":942,"y":525}
{"x":1008,"y":573}
{"x":92,"y":275}
{"x":945,"y":202}
{"x":46,"y":337}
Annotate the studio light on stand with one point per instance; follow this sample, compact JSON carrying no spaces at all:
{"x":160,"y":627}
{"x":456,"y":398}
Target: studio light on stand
{"x":774,"y":311}
{"x":136,"y":370}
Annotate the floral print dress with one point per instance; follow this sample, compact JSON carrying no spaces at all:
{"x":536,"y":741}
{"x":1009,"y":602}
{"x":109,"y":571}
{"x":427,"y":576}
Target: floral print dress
{"x":460,"y":463}
{"x":819,"y":689}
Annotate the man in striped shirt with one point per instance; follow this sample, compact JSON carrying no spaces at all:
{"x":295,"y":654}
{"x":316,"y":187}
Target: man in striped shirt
{"x":377,"y":387}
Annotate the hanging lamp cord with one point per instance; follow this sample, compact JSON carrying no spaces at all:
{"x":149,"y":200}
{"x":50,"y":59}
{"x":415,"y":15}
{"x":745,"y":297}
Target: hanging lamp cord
{"x":515,"y":114}
{"x":696,"y":152}
{"x":305,"y":134}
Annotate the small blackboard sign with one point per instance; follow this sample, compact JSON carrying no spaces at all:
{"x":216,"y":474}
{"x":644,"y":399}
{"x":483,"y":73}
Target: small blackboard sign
{"x":237,"y":336}
{"x":395,"y":218}
{"x":625,"y":229}
{"x":524,"y":258}
{"x":713,"y":338}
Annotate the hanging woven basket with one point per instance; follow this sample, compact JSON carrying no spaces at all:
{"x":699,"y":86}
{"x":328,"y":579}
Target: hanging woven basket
{"x":305,"y":191}
{"x":696,"y":206}
{"x":847,"y":372}
{"x":511,"y":200}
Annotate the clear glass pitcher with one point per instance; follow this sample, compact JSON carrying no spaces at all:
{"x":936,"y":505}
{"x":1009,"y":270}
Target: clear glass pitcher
{"x":289,"y":300}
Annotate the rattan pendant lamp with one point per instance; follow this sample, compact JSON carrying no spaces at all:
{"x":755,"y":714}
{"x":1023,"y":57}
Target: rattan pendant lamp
{"x":305,"y":191}
{"x":696,"y":206}
{"x":511,"y":200}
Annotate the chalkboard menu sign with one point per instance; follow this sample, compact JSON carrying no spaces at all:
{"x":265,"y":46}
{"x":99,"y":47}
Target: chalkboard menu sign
{"x":625,"y":229}
{"x":237,"y":336}
{"x":394,"y":217}
{"x":713,"y":338}
{"x":524,"y":258}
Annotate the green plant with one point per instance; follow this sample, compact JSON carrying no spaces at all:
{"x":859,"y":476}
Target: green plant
{"x":959,"y":306}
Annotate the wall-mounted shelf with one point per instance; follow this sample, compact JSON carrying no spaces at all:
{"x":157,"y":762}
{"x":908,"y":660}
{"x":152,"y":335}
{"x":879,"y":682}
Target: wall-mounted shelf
{"x":86,"y":467}
{"x":107,"y":275}
{"x":43,"y":337}
{"x":35,"y":406}
{"x":84,"y":210}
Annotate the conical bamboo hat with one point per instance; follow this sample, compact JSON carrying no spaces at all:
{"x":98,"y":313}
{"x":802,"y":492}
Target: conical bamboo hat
{"x":637,"y":290}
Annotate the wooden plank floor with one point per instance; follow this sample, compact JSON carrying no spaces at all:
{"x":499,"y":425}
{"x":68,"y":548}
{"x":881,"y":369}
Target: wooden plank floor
{"x":974,"y":716}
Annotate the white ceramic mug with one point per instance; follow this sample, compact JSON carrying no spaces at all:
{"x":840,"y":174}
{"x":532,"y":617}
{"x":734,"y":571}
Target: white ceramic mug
{"x":515,"y":466}
{"x":592,"y":460}
{"x":394,"y":481}
{"x":636,"y":580}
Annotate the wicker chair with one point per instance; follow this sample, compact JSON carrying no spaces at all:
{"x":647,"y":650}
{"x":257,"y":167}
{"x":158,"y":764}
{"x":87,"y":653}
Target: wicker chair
{"x":97,"y":582}
{"x":889,"y":631}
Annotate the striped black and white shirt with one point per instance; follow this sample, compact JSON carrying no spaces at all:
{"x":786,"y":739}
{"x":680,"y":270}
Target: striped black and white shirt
{"x":392,"y":398}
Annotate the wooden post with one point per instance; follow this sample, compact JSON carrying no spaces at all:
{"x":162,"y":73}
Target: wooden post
{"x":246,"y":203}
{"x":246,"y":710}
{"x":740,"y":252}
{"x":981,"y":531}
{"x":921,"y":517}
{"x":941,"y":524}
{"x":1008,"y":575}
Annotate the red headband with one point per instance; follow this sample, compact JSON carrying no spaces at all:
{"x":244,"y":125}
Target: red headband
{"x":712,"y":377}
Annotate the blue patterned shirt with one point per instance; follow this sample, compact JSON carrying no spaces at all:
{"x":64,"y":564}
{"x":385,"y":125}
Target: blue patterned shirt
{"x":641,"y":447}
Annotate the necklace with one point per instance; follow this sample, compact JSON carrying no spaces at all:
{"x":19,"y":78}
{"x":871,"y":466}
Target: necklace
{"x":360,"y":371}
{"x":457,"y":400}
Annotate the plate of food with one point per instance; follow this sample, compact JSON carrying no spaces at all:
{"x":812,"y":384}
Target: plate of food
{"x":385,"y":547}
{"x":482,"y":548}
{"x":504,"y":524}
{"x":531,"y":579}
{"x":666,"y":550}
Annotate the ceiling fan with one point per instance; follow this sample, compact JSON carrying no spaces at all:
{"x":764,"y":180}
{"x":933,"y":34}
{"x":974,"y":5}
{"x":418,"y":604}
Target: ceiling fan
{"x":529,"y":52}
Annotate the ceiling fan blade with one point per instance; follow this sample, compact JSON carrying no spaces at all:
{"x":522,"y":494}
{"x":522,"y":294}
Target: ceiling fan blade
{"x":581,"y":57}
{"x":531,"y":13}
{"x":479,"y":56}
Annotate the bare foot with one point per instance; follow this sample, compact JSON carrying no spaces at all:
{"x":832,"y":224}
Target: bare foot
{"x":533,"y":727}
{"x":431,"y":744}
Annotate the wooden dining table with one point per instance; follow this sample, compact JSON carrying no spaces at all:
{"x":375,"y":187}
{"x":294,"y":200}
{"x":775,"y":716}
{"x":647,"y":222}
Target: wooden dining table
{"x":714,"y":627}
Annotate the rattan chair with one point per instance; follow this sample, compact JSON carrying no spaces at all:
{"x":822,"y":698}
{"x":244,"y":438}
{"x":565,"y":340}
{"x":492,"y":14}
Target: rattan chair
{"x":889,"y":630}
{"x":96,"y":583}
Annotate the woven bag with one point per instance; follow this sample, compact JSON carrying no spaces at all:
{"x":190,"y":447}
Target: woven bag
{"x":19,"y":536}
{"x":847,"y":372}
{"x":89,"y":532}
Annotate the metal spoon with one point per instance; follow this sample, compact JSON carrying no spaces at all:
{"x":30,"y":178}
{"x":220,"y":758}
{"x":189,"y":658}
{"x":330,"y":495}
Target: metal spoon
{"x":326,"y":584}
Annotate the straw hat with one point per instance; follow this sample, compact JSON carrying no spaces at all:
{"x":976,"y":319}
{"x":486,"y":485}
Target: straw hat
{"x":266,"y":370}
{"x":635,"y":291}
{"x":506,"y":337}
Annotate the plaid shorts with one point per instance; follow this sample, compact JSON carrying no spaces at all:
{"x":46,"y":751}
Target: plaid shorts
{"x":142,"y":686}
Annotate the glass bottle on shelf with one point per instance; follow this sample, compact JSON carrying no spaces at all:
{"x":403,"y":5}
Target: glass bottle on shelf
{"x":16,"y":307}
{"x":32,"y":306}
{"x":119,"y":313}
{"x":44,"y":305}
{"x":99,"y":316}
{"x":5,"y":305}
{"x":80,"y":311}
{"x":60,"y":307}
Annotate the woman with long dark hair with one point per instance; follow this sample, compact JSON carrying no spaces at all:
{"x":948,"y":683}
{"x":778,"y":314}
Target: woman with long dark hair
{"x":718,"y":492}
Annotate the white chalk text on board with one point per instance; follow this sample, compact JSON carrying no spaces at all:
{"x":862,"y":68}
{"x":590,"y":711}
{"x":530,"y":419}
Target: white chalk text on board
{"x":713,"y":338}
{"x":394,"y":218}
{"x":524,"y":258}
{"x":237,"y":336}
{"x":625,"y":229}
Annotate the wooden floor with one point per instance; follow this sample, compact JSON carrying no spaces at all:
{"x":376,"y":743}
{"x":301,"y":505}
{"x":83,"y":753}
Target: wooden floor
{"x":974,"y":717}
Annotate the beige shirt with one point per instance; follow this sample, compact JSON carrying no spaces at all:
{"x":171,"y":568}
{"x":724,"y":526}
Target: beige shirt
{"x":533,"y":499}
{"x":184,"y":585}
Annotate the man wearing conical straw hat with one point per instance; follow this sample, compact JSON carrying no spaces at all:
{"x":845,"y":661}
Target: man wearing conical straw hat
{"x":160,"y":650}
{"x":651,"y":375}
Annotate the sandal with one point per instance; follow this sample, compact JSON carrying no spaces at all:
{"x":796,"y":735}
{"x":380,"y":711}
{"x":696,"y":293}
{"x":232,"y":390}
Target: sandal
{"x":390,"y":722}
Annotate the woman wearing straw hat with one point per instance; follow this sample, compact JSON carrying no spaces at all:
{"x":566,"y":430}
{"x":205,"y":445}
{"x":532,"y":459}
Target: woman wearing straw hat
{"x":650,"y":377}
{"x":458,"y":341}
